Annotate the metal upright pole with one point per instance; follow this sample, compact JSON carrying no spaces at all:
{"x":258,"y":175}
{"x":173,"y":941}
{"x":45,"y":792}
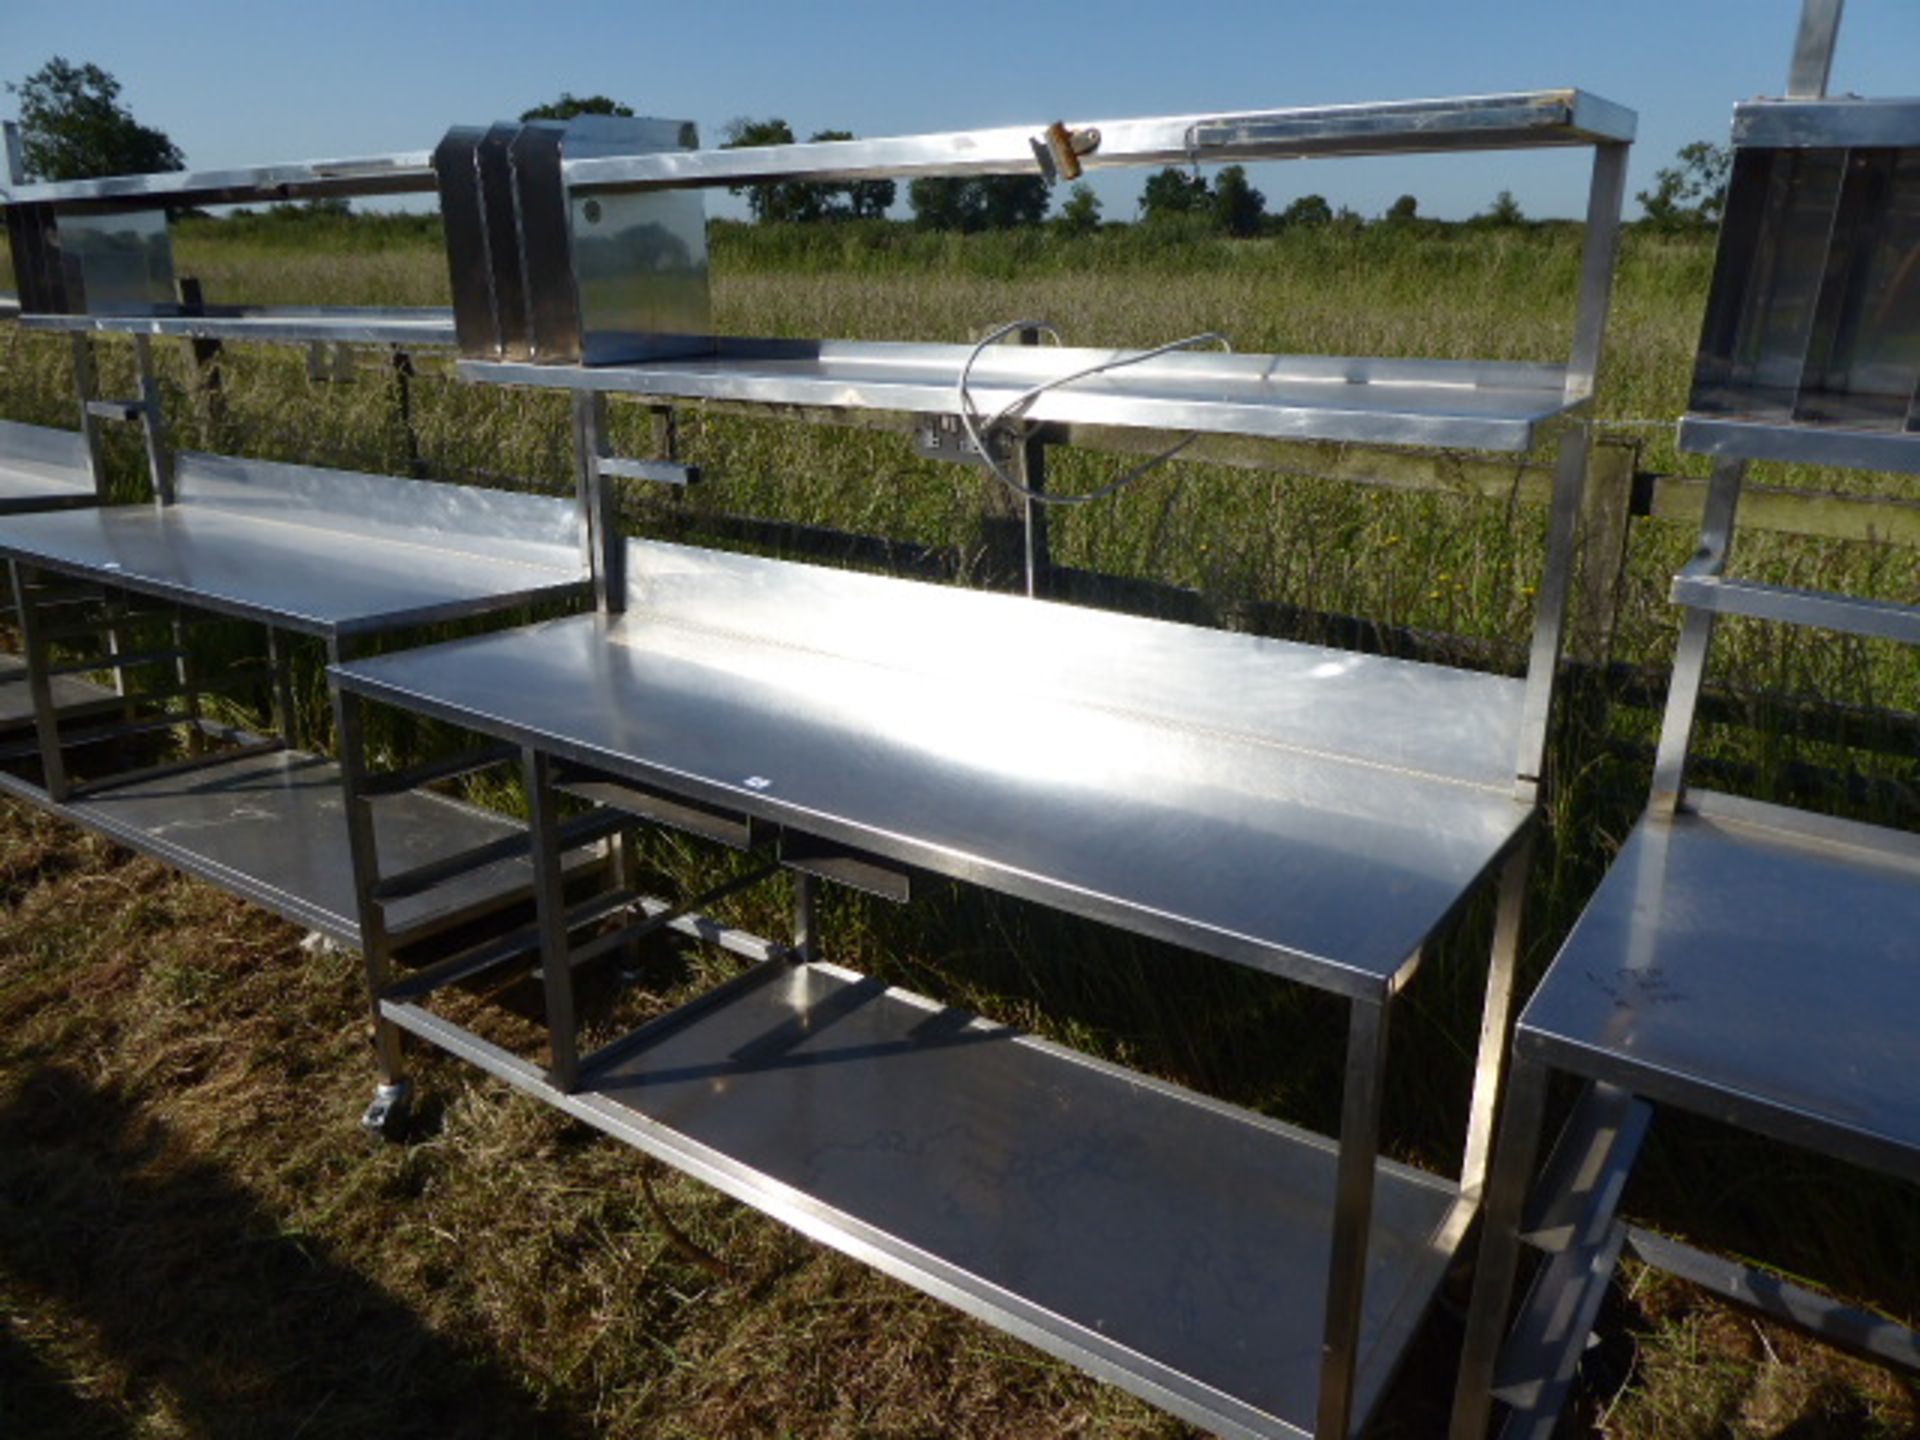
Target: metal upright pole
{"x":46,"y":723}
{"x":1365,"y":1079}
{"x":1813,"y":49}
{"x":1604,"y":194}
{"x":393,"y":1096}
{"x":1696,"y":639}
{"x":1499,"y":1248}
{"x":550,"y":910}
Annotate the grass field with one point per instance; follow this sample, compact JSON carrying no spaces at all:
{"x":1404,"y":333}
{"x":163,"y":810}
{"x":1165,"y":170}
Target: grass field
{"x":194,"y":1240}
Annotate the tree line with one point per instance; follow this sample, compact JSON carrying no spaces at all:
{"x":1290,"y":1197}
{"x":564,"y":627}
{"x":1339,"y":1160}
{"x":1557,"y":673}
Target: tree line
{"x":73,"y":126}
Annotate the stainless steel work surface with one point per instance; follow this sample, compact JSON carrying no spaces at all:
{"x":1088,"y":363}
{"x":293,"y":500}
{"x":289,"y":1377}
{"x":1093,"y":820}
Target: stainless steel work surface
{"x":42,"y":468}
{"x":1762,"y":974}
{"x":411,"y":327}
{"x":1484,"y":405}
{"x":272,"y":829}
{"x":324,"y":551}
{"x":1170,"y":1243}
{"x":1306,"y":810}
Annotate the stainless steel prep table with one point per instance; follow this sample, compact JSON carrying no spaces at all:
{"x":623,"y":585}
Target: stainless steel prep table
{"x":332,"y":554}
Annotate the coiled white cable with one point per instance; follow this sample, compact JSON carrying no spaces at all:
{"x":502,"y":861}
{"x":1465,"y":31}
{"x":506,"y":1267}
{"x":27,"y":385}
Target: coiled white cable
{"x":979,"y":430}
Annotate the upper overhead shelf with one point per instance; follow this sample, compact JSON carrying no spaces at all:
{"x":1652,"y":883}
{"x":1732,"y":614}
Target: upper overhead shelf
{"x":1474,"y":122}
{"x":410,"y":173}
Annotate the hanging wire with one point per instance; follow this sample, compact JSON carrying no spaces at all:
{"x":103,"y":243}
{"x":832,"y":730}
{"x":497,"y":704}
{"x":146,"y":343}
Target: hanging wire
{"x":979,"y":429}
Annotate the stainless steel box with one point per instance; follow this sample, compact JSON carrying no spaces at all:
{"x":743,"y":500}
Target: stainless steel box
{"x":539,"y":274}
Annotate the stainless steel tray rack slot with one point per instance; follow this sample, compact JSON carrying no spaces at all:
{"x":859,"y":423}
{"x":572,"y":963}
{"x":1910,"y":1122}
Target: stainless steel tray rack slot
{"x":1315,"y":813}
{"x":1749,"y":962}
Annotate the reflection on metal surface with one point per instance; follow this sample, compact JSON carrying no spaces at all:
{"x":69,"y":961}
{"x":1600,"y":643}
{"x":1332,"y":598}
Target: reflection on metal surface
{"x":324,"y":551}
{"x":1476,"y":404}
{"x":1207,"y":787}
{"x":1717,"y":935}
{"x":39,"y":466}
{"x":1476,"y":122}
{"x":120,"y":263}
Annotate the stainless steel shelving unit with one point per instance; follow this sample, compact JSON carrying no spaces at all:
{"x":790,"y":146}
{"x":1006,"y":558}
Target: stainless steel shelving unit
{"x":301,"y":551}
{"x":341,"y":557}
{"x":1316,"y":813}
{"x":1749,"y":962}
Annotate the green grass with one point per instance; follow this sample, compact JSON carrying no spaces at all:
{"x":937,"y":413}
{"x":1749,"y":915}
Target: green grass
{"x":177,"y":1082}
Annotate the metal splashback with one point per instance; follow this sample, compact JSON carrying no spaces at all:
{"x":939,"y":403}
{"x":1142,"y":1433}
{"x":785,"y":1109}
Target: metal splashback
{"x":542,"y":275}
{"x":1811,"y":345}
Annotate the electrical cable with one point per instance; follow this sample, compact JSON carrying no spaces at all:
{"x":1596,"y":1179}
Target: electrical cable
{"x":978,"y":429}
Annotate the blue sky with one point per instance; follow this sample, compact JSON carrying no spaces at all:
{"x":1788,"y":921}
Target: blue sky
{"x":239,"y":83}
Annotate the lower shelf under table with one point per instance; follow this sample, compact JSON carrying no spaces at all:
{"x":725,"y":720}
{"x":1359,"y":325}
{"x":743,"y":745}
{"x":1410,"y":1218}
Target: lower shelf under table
{"x":73,"y":696}
{"x":272,"y":829}
{"x":1166,"y":1242}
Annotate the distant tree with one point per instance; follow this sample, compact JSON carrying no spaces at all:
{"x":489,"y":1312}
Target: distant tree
{"x":858,"y":199}
{"x":1080,"y":215}
{"x":1403,"y":211}
{"x":1504,"y":213}
{"x":570,"y":105}
{"x":1237,"y":207}
{"x":1692,"y":194}
{"x":1308,"y":210}
{"x":977,"y":202}
{"x":72,"y":127}
{"x":805,"y":201}
{"x":1171,"y":192}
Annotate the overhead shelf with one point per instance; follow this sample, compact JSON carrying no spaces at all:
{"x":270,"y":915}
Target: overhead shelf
{"x":1469,"y":404}
{"x":1308,"y":811}
{"x":1472,"y":122}
{"x":1166,"y":1242}
{"x":1844,"y":447}
{"x":408,"y":173}
{"x":413,"y":328}
{"x":325,"y":552}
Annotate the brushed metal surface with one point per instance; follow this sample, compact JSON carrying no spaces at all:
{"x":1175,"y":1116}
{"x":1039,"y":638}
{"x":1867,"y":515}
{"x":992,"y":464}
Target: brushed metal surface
{"x":1472,"y":122}
{"x":322,"y":551}
{"x":1757,"y":965}
{"x":272,"y":829}
{"x":1838,"y":121}
{"x":1306,"y":810}
{"x":1483,"y":405}
{"x":42,"y":466}
{"x":123,"y":260}
{"x":1162,"y":1240}
{"x":414,"y":327}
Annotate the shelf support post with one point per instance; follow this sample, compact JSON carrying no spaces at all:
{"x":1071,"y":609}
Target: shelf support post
{"x":550,"y":910}
{"x":1364,"y":1080}
{"x":599,"y":503}
{"x":1496,"y":1016}
{"x":1696,"y":639}
{"x":806,"y":917}
{"x":393,"y":1095}
{"x":153,"y":422}
{"x":46,"y":723}
{"x":1605,"y":192}
{"x":1813,"y":49}
{"x":1513,"y":1158}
